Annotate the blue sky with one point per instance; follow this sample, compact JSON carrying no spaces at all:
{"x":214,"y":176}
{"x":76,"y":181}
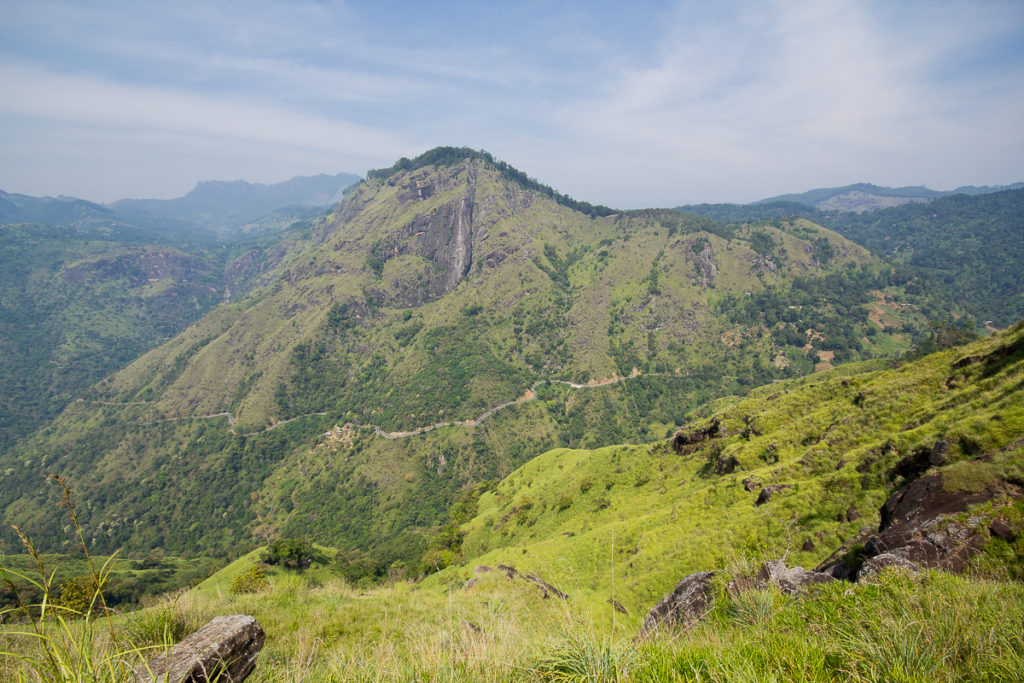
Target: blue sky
{"x":627,"y":104}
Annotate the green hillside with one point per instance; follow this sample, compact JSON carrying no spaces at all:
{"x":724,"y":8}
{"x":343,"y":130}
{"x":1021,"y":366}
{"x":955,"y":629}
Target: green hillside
{"x":615,"y":528}
{"x":427,"y":335}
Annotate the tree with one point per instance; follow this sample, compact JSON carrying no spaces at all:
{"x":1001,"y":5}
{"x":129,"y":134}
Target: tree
{"x":292,"y":553}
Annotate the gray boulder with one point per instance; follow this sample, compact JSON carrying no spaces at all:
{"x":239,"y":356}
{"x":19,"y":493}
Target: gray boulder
{"x":790,"y":580}
{"x":225,"y":650}
{"x":684,"y":606}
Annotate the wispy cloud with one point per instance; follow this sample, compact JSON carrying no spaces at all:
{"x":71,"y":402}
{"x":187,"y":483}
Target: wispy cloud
{"x":663,"y":104}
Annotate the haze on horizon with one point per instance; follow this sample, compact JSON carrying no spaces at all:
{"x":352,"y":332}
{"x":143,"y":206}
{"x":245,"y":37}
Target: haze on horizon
{"x":625,"y":104}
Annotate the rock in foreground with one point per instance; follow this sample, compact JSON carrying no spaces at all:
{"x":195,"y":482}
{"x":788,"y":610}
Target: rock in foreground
{"x":225,"y":650}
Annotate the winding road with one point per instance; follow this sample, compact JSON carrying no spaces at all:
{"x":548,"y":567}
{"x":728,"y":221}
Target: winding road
{"x":529,"y":395}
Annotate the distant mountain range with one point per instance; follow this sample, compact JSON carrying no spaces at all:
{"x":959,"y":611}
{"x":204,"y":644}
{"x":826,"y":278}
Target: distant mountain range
{"x":215,"y":207}
{"x":228,"y":206}
{"x":856,"y":198}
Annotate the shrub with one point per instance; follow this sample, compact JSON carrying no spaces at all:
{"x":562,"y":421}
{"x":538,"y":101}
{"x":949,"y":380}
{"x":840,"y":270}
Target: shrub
{"x":355,"y":566}
{"x":79,"y":594}
{"x":252,"y":580}
{"x":292,"y":553}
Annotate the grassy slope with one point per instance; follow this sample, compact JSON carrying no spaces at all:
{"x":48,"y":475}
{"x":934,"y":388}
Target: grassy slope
{"x":634,"y":519}
{"x":667,"y":516}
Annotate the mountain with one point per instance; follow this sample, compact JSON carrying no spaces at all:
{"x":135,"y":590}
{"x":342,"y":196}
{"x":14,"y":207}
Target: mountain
{"x":965,"y":247}
{"x":234,"y":207}
{"x":85,"y":289}
{"x":969,"y":248}
{"x":20,"y":208}
{"x":450,"y":319}
{"x":862,"y":197}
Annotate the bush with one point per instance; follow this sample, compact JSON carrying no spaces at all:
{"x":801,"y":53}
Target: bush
{"x":252,"y":580}
{"x":355,"y":566}
{"x":79,"y":594}
{"x":292,"y":553}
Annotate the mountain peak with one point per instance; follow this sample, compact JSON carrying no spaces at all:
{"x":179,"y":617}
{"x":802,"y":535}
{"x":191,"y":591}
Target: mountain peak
{"x":450,"y":156}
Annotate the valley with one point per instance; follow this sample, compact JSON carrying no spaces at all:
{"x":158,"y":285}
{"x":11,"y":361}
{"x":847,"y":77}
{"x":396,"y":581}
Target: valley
{"x":456,"y":371}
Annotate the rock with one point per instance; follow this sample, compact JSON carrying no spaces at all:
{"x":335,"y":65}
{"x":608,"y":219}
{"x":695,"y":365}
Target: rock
{"x":681,"y":440}
{"x":617,"y":606}
{"x":684,"y":606}
{"x":225,"y":650}
{"x":470,"y":583}
{"x":481,"y":569}
{"x":918,"y":530}
{"x":808,"y":545}
{"x":725,"y":466}
{"x":852,"y":514}
{"x":939,"y":453}
{"x":510,"y":572}
{"x":768,"y":491}
{"x":546,"y":588}
{"x":1001,"y":529}
{"x":750,"y":483}
{"x":789,"y":580}
{"x":874,"y":565}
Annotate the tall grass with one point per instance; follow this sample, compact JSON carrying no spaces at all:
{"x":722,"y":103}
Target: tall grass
{"x":51,"y":641}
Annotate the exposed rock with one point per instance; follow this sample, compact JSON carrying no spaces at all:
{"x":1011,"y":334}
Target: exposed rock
{"x":683,"y":439}
{"x":852,"y":514}
{"x":808,"y":545}
{"x":470,"y":583}
{"x":546,"y":589}
{"x":725,"y":466}
{"x":939,"y":453}
{"x":768,"y":491}
{"x":918,"y":530}
{"x":225,"y":650}
{"x":741,"y":584}
{"x":617,"y":606}
{"x":510,"y":572}
{"x":789,"y":580}
{"x":1001,"y":529}
{"x":752,"y":483}
{"x":873,"y":565}
{"x":684,"y":606}
{"x":481,"y":569}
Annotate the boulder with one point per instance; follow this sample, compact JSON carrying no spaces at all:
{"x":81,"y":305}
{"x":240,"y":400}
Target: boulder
{"x":1001,"y":529}
{"x":874,"y":565}
{"x":684,"y":606}
{"x":789,"y":580}
{"x":225,"y":650}
{"x":768,"y":491}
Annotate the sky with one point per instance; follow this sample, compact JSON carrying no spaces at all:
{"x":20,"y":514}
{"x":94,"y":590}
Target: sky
{"x":628,"y":104}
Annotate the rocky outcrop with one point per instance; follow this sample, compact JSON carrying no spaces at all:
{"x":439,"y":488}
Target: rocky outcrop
{"x":546,"y":589}
{"x":919,"y":529}
{"x":225,"y":650}
{"x":684,"y":606}
{"x":790,"y":580}
{"x":683,"y":442}
{"x":443,"y":236}
{"x":768,"y":491}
